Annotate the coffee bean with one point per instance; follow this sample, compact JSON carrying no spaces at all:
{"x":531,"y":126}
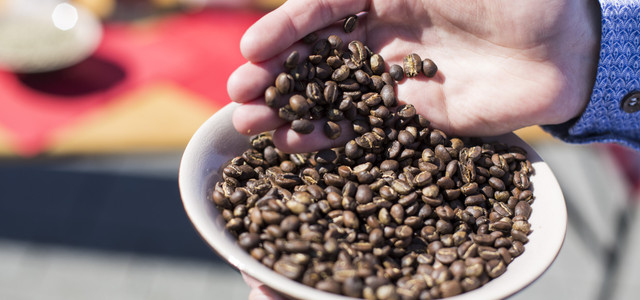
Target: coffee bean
{"x":284,"y":83}
{"x":331,"y":92}
{"x":446,"y":255}
{"x":248,"y":240}
{"x":286,"y":267}
{"x":404,"y":231}
{"x":388,"y":96}
{"x":299,"y":104}
{"x":358,"y":52}
{"x":332,"y":130}
{"x":371,"y":99}
{"x":450,"y":288}
{"x":271,"y":96}
{"x":412,"y":65}
{"x":292,"y":60}
{"x":429,"y":68}
{"x":523,"y":209}
{"x":377,"y":64}
{"x":340,"y":74}
{"x":350,"y":23}
{"x":335,"y":42}
{"x":396,"y":72}
{"x":406,"y":111}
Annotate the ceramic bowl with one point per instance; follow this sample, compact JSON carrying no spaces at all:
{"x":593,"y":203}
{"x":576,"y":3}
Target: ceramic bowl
{"x":216,"y":142}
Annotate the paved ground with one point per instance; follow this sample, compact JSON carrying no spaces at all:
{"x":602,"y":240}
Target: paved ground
{"x":114,"y":228}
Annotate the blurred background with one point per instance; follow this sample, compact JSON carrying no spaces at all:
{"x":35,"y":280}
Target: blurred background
{"x":98,"y":99}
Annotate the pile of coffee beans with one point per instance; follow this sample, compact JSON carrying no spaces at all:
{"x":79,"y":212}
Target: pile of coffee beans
{"x":402,"y":211}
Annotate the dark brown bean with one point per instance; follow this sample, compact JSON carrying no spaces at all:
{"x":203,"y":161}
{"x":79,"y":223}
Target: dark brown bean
{"x":332,"y":130}
{"x":429,"y":68}
{"x":412,"y":65}
{"x":350,"y":23}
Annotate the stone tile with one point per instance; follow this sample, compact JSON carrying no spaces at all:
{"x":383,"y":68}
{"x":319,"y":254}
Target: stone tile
{"x":626,"y":284}
{"x":36,"y":272}
{"x":594,"y":189}
{"x":576,"y":274}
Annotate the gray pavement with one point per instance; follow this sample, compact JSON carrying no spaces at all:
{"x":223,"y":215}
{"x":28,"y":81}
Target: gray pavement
{"x":113,"y":227}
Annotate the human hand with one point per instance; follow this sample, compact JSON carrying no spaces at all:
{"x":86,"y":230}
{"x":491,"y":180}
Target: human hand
{"x":260,"y":291}
{"x":502,"y":65}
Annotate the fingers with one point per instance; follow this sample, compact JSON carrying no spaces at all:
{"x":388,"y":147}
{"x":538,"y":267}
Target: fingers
{"x":250,"y":281}
{"x":292,"y":21}
{"x":249,"y":81}
{"x":255,"y":117}
{"x":259,"y":291}
{"x":290,"y":141}
{"x":263,"y":293}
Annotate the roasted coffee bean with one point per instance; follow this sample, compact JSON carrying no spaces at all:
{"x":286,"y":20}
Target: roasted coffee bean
{"x":335,"y":61}
{"x":396,"y":72}
{"x":497,"y":184}
{"x":350,"y":219}
{"x":371,"y":99}
{"x":331,"y":92}
{"x":332,"y":130}
{"x":387,"y":79}
{"x":412,"y":65}
{"x":521,"y":180}
{"x":523,"y":209}
{"x":377,"y":64}
{"x":286,"y":113}
{"x":358,"y":52}
{"x":299,"y":104}
{"x":335,"y":42}
{"x":271,"y":96}
{"x":495,"y":268}
{"x":288,"y":268}
{"x":388,"y":96}
{"x":429,"y":68}
{"x":310,"y":38}
{"x":321,"y":47}
{"x":450,"y":288}
{"x":406,"y":111}
{"x":284,"y":83}
{"x":350,"y":23}
{"x":446,"y":255}
{"x":404,"y":231}
{"x":340,"y":74}
{"x":248,"y":240}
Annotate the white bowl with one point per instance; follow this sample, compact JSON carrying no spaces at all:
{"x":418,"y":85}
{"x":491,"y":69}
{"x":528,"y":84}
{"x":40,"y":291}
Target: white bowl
{"x":216,"y":142}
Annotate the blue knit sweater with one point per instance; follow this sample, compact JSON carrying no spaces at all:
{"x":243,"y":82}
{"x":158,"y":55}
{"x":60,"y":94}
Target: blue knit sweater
{"x":613,"y":113}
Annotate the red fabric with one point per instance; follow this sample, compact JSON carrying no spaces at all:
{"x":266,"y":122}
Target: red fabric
{"x":197,"y":51}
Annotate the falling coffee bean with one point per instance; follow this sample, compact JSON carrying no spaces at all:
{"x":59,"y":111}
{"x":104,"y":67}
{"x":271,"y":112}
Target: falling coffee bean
{"x":350,"y":23}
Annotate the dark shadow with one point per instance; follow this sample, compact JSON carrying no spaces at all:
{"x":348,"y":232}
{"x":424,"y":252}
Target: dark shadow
{"x":107,"y":212}
{"x":92,"y":75}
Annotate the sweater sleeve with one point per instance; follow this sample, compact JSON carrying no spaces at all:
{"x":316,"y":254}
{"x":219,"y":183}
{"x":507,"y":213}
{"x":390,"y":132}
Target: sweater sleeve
{"x":613,"y":113}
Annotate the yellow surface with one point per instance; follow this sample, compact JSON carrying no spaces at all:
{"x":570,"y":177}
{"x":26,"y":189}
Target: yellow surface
{"x":101,"y":8}
{"x":533,"y":134}
{"x":155,"y":117}
{"x":5,"y":145}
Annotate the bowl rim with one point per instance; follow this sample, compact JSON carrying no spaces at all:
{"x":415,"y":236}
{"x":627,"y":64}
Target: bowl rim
{"x":196,"y":168}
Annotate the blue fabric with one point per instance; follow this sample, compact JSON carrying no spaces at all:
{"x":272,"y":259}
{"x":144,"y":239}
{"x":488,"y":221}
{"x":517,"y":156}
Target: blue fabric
{"x":618,"y":74}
